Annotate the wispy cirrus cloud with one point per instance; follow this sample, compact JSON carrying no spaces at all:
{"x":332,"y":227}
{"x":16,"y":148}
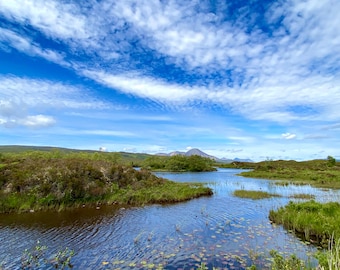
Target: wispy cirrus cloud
{"x":29,"y":47}
{"x":45,"y":93}
{"x":26,"y":102}
{"x":114,"y":133}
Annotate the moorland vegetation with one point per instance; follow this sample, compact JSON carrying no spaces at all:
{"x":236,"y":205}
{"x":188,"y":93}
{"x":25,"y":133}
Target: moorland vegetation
{"x":56,"y":179}
{"x":318,"y":173}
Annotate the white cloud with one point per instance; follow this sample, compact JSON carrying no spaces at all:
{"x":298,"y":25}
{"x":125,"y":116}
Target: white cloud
{"x":288,"y":136}
{"x":31,"y":121}
{"x":54,"y":18}
{"x":37,"y":121}
{"x":114,"y":133}
{"x":146,"y":87}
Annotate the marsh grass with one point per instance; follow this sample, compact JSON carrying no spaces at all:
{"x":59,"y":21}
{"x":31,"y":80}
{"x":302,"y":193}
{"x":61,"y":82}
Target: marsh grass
{"x":254,"y":194}
{"x":316,"y":222}
{"x":291,"y":262}
{"x":330,"y":259}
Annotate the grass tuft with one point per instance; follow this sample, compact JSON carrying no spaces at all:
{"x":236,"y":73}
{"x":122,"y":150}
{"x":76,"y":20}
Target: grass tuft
{"x":253,"y":194}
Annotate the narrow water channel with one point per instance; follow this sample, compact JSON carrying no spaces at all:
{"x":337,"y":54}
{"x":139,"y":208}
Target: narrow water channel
{"x":220,"y":231}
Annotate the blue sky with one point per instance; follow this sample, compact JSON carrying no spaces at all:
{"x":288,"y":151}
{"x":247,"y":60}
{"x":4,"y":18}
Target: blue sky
{"x":248,"y":79}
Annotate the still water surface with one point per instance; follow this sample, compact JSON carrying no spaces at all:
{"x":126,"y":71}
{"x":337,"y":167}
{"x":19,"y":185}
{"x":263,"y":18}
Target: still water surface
{"x":221,"y":231}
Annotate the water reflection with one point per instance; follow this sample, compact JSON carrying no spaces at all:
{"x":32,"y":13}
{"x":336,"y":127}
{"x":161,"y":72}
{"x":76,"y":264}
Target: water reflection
{"x":221,"y":231}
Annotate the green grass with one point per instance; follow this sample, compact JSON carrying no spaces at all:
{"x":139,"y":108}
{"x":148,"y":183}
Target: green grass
{"x":313,"y":221}
{"x":253,"y":194}
{"x":169,"y":192}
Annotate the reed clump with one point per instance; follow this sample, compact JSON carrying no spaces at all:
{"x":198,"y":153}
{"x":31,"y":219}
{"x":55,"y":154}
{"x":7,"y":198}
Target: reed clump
{"x":314,"y":221}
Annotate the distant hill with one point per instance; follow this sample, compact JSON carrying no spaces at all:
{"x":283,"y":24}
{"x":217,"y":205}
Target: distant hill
{"x":24,"y":148}
{"x":129,"y":157}
{"x":134,"y":159}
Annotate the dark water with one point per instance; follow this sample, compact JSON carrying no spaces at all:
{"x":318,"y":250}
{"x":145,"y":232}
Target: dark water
{"x":221,"y":231}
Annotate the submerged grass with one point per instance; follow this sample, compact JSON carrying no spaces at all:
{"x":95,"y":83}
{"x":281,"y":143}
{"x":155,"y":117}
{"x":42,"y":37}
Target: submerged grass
{"x":254,"y":194}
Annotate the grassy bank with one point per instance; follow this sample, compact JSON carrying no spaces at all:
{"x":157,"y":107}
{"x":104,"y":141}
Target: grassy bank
{"x":318,"y":173}
{"x":316,"y":222}
{"x":35,"y":181}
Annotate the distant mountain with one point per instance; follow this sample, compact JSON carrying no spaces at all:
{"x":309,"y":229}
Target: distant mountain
{"x":177,"y":153}
{"x":189,"y":153}
{"x":225,"y":160}
{"x":195,"y":151}
{"x":243,"y":160}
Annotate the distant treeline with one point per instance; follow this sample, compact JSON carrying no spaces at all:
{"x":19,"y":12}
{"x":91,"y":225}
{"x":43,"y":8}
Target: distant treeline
{"x":179,"y":163}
